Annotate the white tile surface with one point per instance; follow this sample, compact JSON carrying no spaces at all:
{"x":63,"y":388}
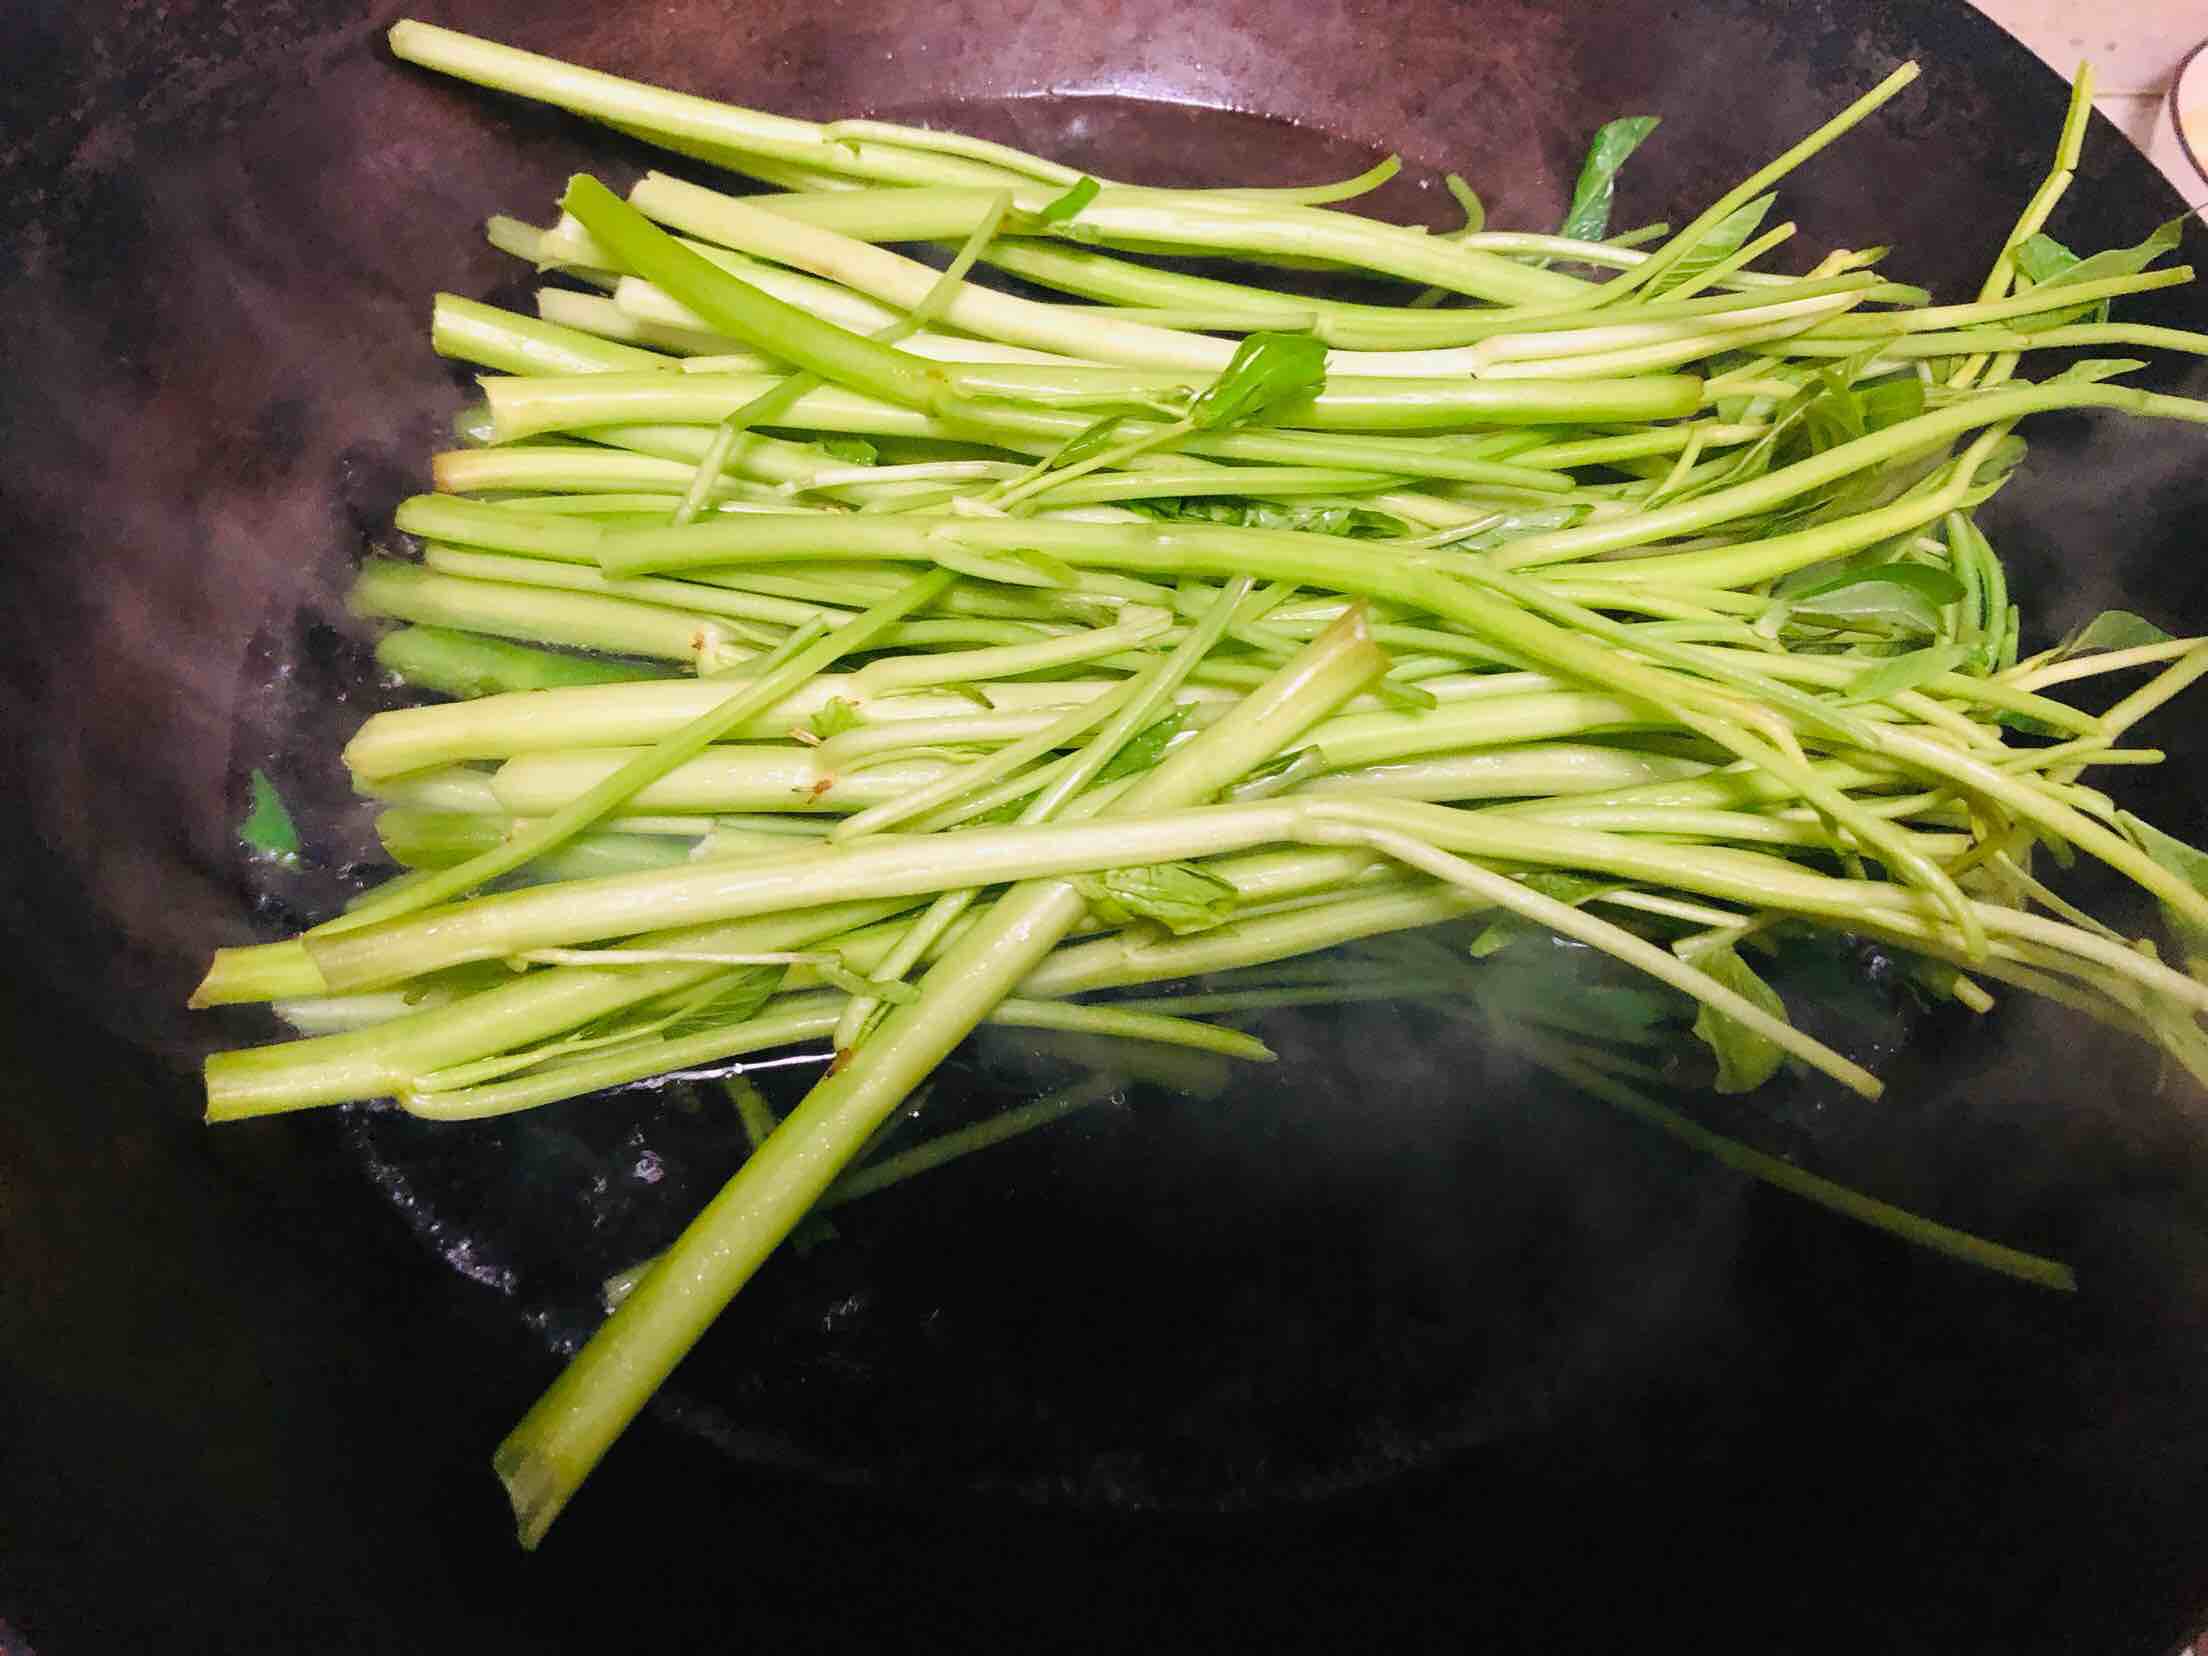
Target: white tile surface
{"x":2135,"y":47}
{"x":2145,"y":120}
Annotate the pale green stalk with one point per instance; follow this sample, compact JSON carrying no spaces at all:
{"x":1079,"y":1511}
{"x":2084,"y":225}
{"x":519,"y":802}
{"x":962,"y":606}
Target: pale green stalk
{"x":1573,"y":1066}
{"x":1667,"y":257}
{"x":932,"y":142}
{"x":1935,"y":318}
{"x":1041,"y":431}
{"x":773,"y":405}
{"x":756,"y":695}
{"x":2069,"y":149}
{"x":483,"y":334}
{"x":693,"y":602}
{"x":936,"y":1152}
{"x":674,"y":116}
{"x":2155,"y":692}
{"x":1120,"y":960}
{"x":1777,"y":487}
{"x":2040,"y":674}
{"x":649,"y":303}
{"x":1186,"y":220}
{"x":1532,"y":771}
{"x":1903,"y":349}
{"x":507,"y":924}
{"x":776,"y":403}
{"x":1620,"y":944}
{"x":894,"y":675}
{"x":1369,"y":327}
{"x":467,"y":664}
{"x":554,"y":1448}
{"x":405,"y":740}
{"x":596,"y":314}
{"x":866,"y":744}
{"x":945,"y":1148}
{"x":1144,"y":703}
{"x":1666,"y":353}
{"x":1375,"y":738}
{"x":376,"y":1062}
{"x":390,"y":591}
{"x":880,"y":778}
{"x":570,"y":468}
{"x":531,"y":407}
{"x":1720,"y":717}
{"x":786,"y":1021}
{"x":1597,"y":338}
{"x":729,"y":777}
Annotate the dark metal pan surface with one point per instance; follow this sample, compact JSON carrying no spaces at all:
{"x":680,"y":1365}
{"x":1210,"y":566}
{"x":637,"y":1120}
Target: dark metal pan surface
{"x":1392,"y":1338}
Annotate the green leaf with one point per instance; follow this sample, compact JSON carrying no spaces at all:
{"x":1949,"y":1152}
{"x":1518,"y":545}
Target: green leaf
{"x":268,"y":827}
{"x":2112,"y":630}
{"x":1751,"y":461}
{"x":1179,"y":896}
{"x":2050,"y":264}
{"x":1346,"y":521}
{"x":1024,"y":566}
{"x":1146,"y":747}
{"x":747,"y":990}
{"x":2026,"y":725}
{"x":1745,"y":1060}
{"x":455,"y":981}
{"x":1833,"y":413}
{"x":1928,"y":581}
{"x":1088,"y":444}
{"x":1890,"y":401}
{"x":1830,"y":410}
{"x":1604,"y":1012}
{"x":1267,"y":369}
{"x":1067,"y":205}
{"x":852,"y":451}
{"x":1611,"y":1013}
{"x":1000,"y":815}
{"x":2093,"y":370}
{"x":1895,"y":597}
{"x":2004,"y":458}
{"x":1722,"y":241}
{"x":1495,"y":938}
{"x":890,"y":991}
{"x":1053,"y":569}
{"x":1571,"y":889}
{"x":1279,"y":774}
{"x":1398,"y":694}
{"x":1589,"y":216}
{"x":1550,"y":982}
{"x":1512,"y":526}
{"x":2043,"y":259}
{"x":1904,"y":672}
{"x":2187,"y":864}
{"x":835,"y":718}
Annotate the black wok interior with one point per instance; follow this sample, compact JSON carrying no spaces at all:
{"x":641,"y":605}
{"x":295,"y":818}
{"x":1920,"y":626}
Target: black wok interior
{"x":1388,"y":1341}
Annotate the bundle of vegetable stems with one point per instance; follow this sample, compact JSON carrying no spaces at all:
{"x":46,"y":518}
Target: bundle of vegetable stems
{"x":845,"y":650}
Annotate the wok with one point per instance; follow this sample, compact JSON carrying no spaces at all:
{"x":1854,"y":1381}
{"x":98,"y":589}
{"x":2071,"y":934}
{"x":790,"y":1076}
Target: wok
{"x":1391,"y":1342}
